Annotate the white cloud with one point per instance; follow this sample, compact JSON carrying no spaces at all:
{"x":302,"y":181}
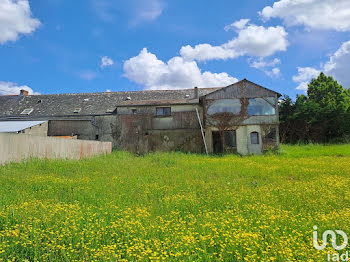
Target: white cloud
{"x":252,"y":40}
{"x":313,"y":14}
{"x":265,"y":66}
{"x":15,"y":19}
{"x":262,"y":63}
{"x":205,"y":52}
{"x":274,"y":72}
{"x":147,"y":70}
{"x":9,"y":88}
{"x":305,"y":74}
{"x":338,"y":67}
{"x":237,"y":25}
{"x":106,"y":61}
{"x":148,"y":10}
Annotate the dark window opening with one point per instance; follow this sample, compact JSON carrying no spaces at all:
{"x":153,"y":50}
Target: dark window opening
{"x":272,"y":134}
{"x":217,"y":145}
{"x":230,"y":138}
{"x":133,"y":111}
{"x":228,"y":144}
{"x":254,"y":138}
{"x":96,"y":137}
{"x":270,"y":138}
{"x":163,"y":111}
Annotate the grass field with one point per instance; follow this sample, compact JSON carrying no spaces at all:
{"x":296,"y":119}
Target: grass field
{"x":173,"y":206}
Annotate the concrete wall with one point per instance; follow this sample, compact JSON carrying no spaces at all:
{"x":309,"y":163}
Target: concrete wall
{"x":38,"y":130}
{"x":82,"y":128}
{"x":145,"y":132}
{"x":244,"y":145}
{"x":138,"y":132}
{"x":18,"y":147}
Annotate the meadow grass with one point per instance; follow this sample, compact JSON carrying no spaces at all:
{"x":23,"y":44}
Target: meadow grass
{"x":175,"y":206}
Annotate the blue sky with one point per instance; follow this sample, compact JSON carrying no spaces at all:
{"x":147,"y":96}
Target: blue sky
{"x":57,"y":46}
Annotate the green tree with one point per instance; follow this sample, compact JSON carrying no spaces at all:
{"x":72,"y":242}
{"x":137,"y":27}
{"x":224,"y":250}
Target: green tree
{"x":321,"y":116}
{"x":329,"y":105}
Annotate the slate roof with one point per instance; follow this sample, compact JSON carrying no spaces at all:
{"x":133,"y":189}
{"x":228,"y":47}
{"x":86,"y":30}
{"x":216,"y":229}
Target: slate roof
{"x":159,"y":102}
{"x":92,"y":103}
{"x":89,"y":104}
{"x":16,"y":126}
{"x":7,"y":102}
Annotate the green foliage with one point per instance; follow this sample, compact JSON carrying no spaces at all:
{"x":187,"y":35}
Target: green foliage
{"x":321,"y":116}
{"x":175,"y":206}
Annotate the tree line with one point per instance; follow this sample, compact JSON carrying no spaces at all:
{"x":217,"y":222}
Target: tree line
{"x":321,"y":116}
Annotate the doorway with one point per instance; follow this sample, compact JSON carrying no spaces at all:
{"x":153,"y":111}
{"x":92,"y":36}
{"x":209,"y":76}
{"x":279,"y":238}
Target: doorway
{"x":217,"y":145}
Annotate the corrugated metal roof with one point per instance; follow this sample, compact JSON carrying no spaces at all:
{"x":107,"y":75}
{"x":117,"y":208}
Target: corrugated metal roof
{"x":16,"y":126}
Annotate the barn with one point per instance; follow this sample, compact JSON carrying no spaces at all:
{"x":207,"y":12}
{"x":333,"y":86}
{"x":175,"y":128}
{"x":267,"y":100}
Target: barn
{"x":239,"y":118}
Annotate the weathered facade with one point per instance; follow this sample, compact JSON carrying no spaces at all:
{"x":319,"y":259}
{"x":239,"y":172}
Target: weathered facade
{"x":242,"y":118}
{"x":38,"y":128}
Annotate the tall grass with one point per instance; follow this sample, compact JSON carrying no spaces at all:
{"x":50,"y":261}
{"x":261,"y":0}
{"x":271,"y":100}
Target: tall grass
{"x":174,"y":206}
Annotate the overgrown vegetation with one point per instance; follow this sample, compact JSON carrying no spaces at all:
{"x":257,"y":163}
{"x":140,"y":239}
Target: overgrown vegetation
{"x":175,"y":206}
{"x":323,"y":115}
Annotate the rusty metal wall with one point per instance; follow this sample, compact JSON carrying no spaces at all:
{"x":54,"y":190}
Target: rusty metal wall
{"x":18,"y":147}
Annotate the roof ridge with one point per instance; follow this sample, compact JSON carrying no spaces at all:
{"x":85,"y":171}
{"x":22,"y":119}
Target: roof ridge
{"x":121,"y":92}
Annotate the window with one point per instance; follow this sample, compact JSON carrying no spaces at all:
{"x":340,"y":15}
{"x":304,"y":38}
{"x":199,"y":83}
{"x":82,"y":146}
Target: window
{"x":111,"y":110}
{"x":163,"y":111}
{"x":133,"y":111}
{"x":261,"y":107}
{"x":271,"y":135}
{"x":230,"y":138}
{"x":96,"y":137}
{"x":254,"y":138}
{"x":27,"y":111}
{"x":232,"y":106}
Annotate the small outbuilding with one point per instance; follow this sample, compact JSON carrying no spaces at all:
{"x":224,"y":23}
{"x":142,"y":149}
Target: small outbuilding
{"x":24,"y":127}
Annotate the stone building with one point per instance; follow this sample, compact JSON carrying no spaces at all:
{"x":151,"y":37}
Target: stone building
{"x":242,"y":117}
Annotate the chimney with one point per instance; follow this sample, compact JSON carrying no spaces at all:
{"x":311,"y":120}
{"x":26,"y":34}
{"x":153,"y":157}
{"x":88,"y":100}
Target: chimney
{"x":23,"y":92}
{"x":195,"y":92}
